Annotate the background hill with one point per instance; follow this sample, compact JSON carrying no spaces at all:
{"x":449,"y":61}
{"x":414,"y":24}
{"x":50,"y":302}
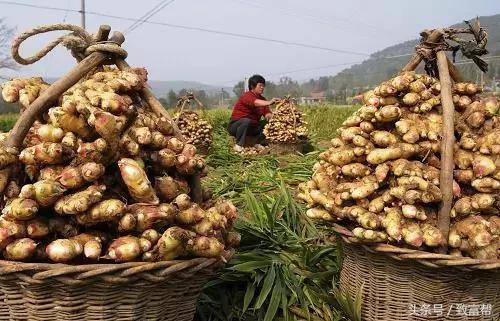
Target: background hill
{"x":161,"y":88}
{"x":376,"y":69}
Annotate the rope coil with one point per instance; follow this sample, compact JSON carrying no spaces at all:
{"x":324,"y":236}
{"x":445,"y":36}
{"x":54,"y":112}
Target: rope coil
{"x":79,"y":42}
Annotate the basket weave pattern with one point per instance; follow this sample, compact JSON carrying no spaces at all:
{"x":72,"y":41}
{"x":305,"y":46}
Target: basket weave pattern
{"x":434,"y":260}
{"x":389,"y":286}
{"x":100,"y":292}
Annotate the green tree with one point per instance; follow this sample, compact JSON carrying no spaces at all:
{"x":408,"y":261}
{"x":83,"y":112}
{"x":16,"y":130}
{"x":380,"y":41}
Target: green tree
{"x":239,"y":88}
{"x":202,"y":96}
{"x":322,"y":84}
{"x":172,"y":98}
{"x":329,"y":96}
{"x":287,"y":86}
{"x":271,"y":90}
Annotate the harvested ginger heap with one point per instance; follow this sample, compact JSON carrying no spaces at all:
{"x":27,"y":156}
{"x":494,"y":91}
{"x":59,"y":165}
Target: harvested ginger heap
{"x":286,"y":125}
{"x":197,"y":131}
{"x":380,"y":176}
{"x":102,"y":177}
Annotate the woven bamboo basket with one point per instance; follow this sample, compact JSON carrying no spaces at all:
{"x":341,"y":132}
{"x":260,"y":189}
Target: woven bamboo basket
{"x":404,"y":284}
{"x":96,"y":292}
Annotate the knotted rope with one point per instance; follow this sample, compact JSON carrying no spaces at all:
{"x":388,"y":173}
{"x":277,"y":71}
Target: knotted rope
{"x":79,"y":42}
{"x":427,"y":50}
{"x":471,"y":49}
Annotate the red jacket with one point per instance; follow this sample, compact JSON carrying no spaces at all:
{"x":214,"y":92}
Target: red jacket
{"x":245,"y":108}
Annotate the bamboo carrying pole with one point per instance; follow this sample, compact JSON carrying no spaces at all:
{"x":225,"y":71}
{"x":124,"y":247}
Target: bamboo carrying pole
{"x":447,"y":71}
{"x":43,"y":102}
{"x":454,"y":73}
{"x":448,"y":140}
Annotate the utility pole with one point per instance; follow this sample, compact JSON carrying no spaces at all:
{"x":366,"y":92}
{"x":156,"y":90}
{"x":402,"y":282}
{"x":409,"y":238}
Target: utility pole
{"x":82,"y":11}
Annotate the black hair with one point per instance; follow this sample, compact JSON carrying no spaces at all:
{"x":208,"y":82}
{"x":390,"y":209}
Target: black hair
{"x":254,"y":80}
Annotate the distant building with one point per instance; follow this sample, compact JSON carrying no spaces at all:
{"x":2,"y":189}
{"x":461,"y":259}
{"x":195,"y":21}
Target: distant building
{"x":315,"y":97}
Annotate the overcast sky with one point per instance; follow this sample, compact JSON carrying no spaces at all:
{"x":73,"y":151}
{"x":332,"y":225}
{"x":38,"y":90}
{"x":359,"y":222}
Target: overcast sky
{"x":172,"y":53}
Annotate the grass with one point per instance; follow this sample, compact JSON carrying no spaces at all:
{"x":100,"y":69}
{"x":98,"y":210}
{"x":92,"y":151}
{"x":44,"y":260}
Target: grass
{"x":282,"y":267}
{"x":7,"y":121}
{"x":285,"y":268}
{"x":323,"y":120}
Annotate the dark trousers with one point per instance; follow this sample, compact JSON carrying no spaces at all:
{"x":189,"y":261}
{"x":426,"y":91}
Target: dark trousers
{"x":241,"y":128}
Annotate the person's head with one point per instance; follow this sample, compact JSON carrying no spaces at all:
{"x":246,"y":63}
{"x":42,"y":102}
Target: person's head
{"x":257,"y":83}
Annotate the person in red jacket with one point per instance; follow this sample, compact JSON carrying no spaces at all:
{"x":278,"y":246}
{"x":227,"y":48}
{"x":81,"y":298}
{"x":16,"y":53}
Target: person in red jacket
{"x":248,"y":111}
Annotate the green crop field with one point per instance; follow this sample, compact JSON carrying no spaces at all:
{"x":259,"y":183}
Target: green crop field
{"x":286,"y":267}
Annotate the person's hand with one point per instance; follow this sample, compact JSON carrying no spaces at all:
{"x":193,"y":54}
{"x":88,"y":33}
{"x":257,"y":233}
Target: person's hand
{"x":275,"y":100}
{"x":268,"y":116}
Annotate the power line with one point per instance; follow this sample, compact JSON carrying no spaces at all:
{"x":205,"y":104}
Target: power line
{"x":313,"y":68}
{"x":37,"y":6}
{"x":226,"y":33}
{"x":296,"y":70}
{"x":152,"y":14}
{"x":317,"y":19}
{"x":459,"y":62}
{"x":143,"y":16}
{"x":66,"y":13}
{"x":395,"y":56}
{"x":148,"y":15}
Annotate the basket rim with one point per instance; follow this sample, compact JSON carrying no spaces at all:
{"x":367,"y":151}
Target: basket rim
{"x":434,"y":260}
{"x":115,"y":273}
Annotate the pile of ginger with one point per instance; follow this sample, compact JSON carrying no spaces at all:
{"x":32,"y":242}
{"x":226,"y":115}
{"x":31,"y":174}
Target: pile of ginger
{"x":101,"y":177}
{"x":381,"y":175}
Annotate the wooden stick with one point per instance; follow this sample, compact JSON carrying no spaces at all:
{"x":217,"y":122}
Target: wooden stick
{"x":447,"y":162}
{"x":49,"y":96}
{"x":196,"y":190}
{"x":103,"y":33}
{"x":454,"y":73}
{"x":416,"y":59}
